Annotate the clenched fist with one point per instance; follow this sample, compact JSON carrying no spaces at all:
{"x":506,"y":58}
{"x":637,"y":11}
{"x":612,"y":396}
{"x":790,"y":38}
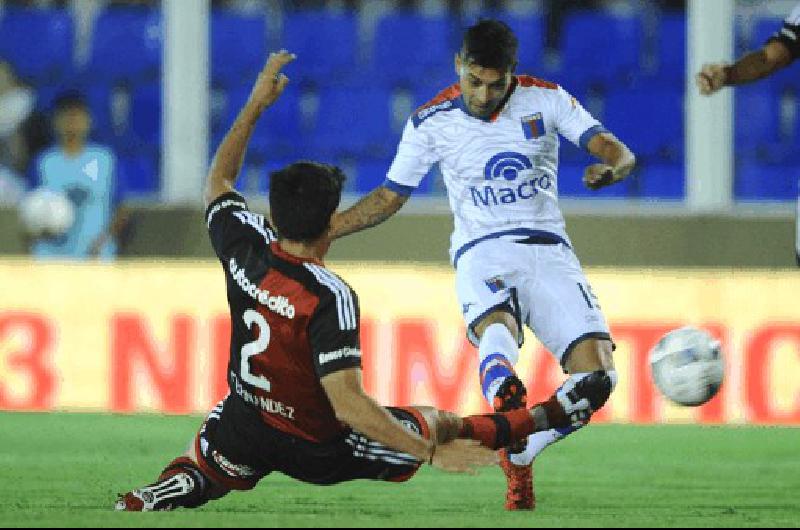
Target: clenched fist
{"x":712,"y":78}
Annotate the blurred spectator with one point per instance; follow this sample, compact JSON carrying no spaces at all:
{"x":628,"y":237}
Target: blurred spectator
{"x":11,"y":187}
{"x":86,"y":173}
{"x":23,"y":130}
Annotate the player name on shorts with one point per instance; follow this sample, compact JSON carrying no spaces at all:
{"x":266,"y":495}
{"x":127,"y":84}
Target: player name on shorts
{"x":276,"y":304}
{"x":338,"y":355}
{"x":270,"y":406}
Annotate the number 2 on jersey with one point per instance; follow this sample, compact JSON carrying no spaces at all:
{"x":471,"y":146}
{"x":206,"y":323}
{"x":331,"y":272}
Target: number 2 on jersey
{"x":258,"y":347}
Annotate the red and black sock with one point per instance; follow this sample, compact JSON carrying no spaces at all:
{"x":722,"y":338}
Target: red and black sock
{"x":502,"y":429}
{"x":499,"y":430}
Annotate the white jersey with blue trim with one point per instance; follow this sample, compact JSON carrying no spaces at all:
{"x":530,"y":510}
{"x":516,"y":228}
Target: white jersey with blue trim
{"x":501,"y":173}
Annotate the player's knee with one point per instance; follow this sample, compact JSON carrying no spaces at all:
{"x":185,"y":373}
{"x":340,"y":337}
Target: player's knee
{"x":589,"y":355}
{"x":505,"y":318}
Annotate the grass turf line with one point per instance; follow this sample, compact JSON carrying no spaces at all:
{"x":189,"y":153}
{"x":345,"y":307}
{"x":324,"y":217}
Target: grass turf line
{"x":66,"y":469}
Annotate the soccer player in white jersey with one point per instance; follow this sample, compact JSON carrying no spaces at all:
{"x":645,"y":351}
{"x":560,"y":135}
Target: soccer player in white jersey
{"x":495,"y":137}
{"x":781,"y":50}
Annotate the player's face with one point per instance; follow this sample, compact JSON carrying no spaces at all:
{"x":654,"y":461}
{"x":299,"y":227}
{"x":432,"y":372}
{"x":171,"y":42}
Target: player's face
{"x":73,"y":124}
{"x":483,"y":88}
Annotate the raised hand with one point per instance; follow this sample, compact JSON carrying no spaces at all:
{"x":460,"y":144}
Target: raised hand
{"x":271,"y":81}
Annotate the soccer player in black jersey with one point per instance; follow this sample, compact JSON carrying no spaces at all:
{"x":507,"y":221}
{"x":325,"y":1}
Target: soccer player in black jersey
{"x":296,"y":404}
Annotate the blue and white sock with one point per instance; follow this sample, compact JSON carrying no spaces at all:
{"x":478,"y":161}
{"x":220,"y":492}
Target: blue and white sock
{"x":498,"y":354}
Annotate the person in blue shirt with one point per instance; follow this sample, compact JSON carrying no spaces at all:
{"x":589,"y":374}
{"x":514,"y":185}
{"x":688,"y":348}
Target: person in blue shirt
{"x":85,"y":172}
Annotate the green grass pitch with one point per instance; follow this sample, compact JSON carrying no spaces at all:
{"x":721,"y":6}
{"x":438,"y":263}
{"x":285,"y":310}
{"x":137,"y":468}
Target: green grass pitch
{"x":65,"y":470}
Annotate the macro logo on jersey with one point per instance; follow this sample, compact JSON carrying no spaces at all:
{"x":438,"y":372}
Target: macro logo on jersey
{"x":276,"y":304}
{"x":509,"y":167}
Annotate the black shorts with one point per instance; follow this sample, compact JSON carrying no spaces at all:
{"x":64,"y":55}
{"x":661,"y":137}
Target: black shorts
{"x":236,"y":449}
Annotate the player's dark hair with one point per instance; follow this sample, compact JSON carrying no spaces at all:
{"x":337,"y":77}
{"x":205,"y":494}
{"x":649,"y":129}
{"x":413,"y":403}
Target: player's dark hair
{"x":303,"y":197}
{"x":70,"y":100}
{"x":490,"y":44}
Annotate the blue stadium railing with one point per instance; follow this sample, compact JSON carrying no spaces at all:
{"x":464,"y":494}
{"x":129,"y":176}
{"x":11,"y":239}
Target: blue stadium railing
{"x":348,"y":105}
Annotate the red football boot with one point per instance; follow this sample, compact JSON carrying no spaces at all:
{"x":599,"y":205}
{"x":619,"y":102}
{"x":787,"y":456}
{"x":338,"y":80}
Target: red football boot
{"x":512,"y":395}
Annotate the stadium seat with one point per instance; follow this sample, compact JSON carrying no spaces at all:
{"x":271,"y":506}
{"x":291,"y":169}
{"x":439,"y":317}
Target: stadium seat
{"x":326,"y":45}
{"x":600,"y":48}
{"x":766,"y":182}
{"x":39,"y":43}
{"x":354,"y":122}
{"x":238,"y":47}
{"x":754,"y":136}
{"x":411,"y":49}
{"x":650,"y":122}
{"x":145,"y":117}
{"x":671,"y":54}
{"x":138,"y":175}
{"x":570,"y":181}
{"x":370,"y":174}
{"x":278,"y":132}
{"x":660,"y":181}
{"x":126,"y":46}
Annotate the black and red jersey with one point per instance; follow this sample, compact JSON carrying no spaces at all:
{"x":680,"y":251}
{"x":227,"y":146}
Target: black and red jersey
{"x":293,"y":323}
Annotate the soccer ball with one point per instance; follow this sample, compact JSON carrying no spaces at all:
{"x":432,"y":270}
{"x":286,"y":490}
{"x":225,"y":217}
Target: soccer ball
{"x":687,"y":366}
{"x":46,"y":213}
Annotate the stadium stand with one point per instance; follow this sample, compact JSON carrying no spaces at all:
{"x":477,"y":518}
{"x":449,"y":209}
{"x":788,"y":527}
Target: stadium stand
{"x":343,"y":102}
{"x":239,"y":45}
{"x":38,"y":43}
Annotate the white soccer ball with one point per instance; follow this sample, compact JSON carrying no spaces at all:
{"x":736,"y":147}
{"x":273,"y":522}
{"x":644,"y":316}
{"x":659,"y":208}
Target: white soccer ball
{"x":687,"y":366}
{"x":46,"y":213}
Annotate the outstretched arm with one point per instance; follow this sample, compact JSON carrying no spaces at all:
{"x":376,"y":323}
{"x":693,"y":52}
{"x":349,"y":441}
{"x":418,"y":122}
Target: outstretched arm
{"x":372,"y":210}
{"x":354,"y":407}
{"x":230,"y":155}
{"x":617,"y":161}
{"x":752,"y":67}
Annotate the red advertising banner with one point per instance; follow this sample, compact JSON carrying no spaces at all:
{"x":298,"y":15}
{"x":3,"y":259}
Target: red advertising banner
{"x":154,"y":337}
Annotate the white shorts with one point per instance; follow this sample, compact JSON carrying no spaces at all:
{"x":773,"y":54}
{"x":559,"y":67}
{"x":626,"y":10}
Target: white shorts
{"x":543,"y":285}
